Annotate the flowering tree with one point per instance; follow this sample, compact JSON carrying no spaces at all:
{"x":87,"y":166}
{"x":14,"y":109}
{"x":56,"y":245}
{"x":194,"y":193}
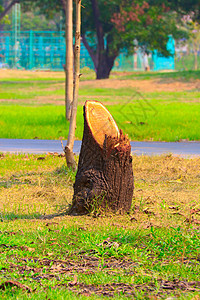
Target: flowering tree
{"x":110,"y":26}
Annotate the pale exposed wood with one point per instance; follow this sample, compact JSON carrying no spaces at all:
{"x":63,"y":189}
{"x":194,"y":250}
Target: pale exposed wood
{"x":100,"y":121}
{"x":70,"y":141}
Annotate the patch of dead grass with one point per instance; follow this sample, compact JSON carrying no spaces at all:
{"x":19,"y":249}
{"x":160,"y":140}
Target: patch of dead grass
{"x":167,"y":189}
{"x":150,"y":85}
{"x":7,"y":74}
{"x":167,"y":192}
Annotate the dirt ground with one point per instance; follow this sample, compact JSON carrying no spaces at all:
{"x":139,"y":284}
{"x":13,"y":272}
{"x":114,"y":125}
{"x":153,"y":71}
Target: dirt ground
{"x":7,"y":74}
{"x":145,"y":85}
{"x":149,"y":85}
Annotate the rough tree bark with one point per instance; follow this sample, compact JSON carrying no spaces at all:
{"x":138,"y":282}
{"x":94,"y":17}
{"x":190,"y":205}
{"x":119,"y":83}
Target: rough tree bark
{"x":104,"y":180}
{"x":102,"y":58}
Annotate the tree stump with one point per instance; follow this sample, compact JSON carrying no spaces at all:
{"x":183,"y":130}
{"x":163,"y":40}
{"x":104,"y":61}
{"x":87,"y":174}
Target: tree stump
{"x":104,"y":180}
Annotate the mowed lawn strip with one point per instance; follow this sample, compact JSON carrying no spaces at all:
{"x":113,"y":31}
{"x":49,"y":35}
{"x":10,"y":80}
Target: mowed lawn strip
{"x":150,"y":121}
{"x":151,"y":252}
{"x":32,"y":104}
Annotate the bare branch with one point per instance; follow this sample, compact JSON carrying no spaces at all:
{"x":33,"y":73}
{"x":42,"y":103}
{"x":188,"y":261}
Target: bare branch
{"x":6,"y":10}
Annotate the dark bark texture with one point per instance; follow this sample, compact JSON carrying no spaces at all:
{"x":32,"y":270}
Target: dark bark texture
{"x":104,"y":180}
{"x":104,"y":57}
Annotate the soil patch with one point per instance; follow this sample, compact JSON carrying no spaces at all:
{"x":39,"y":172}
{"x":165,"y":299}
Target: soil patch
{"x":144,"y":85}
{"x":110,"y":289}
{"x":7,"y":74}
{"x":89,"y":265}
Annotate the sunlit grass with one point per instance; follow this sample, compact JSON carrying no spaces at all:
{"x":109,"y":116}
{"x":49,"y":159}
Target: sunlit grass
{"x":65,"y":257}
{"x":141,"y":120}
{"x":32,"y":106}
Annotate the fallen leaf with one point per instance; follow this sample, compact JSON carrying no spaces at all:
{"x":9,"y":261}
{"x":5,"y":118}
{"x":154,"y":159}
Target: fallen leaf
{"x":197,"y":297}
{"x":196,"y":221}
{"x":133,"y":219}
{"x":74,"y":282}
{"x":15,"y":283}
{"x":51,"y":223}
{"x":194,"y":211}
{"x":28,"y":248}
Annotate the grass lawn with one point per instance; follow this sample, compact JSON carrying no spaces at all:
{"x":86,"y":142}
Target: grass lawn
{"x":147,"y":106}
{"x":151,"y":253}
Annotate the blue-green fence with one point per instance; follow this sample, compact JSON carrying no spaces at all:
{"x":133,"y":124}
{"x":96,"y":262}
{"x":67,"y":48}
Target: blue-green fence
{"x":45,"y":50}
{"x":36,"y":50}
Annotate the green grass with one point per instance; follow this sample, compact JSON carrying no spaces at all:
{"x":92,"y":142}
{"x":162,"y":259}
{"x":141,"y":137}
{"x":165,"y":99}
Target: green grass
{"x":33,"y":106}
{"x":151,"y":252}
{"x":174,"y":75}
{"x":152,"y":120}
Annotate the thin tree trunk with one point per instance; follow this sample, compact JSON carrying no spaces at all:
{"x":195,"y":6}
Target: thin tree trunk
{"x":195,"y":60}
{"x":104,"y":180}
{"x":70,"y":142}
{"x":68,"y":67}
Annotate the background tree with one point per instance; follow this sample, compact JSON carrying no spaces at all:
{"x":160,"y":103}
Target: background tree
{"x":192,"y":27}
{"x":117,"y":24}
{"x":5,"y":6}
{"x":109,"y":27}
{"x":33,"y":20}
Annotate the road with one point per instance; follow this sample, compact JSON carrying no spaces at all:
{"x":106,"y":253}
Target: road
{"x":184,"y":149}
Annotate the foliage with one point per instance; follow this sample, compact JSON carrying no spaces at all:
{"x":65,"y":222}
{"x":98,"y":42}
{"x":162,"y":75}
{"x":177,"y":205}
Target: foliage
{"x":35,"y":21}
{"x":5,"y":19}
{"x":122,"y":25}
{"x":193,"y":28}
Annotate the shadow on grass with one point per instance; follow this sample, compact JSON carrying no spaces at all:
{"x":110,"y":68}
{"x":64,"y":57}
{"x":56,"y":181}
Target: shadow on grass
{"x":30,"y":179}
{"x":11,"y":216}
{"x":9,"y":183}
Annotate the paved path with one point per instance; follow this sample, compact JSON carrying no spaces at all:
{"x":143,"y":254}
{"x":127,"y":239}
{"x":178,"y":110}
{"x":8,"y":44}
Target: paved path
{"x":184,"y":149}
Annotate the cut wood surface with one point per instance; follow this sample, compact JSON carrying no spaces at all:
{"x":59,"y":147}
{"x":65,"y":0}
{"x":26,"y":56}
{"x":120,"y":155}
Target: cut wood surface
{"x":104,"y":180}
{"x":100,"y":122}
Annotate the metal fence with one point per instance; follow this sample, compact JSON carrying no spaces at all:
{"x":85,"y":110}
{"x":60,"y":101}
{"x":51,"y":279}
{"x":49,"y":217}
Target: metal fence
{"x":45,"y":50}
{"x":36,"y":50}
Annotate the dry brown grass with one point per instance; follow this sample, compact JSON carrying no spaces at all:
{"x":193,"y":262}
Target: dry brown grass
{"x":167,"y":191}
{"x":7,"y":74}
{"x":149,"y":85}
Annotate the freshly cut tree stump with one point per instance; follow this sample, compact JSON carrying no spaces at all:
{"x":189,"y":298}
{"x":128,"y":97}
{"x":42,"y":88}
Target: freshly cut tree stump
{"x":104,"y":180}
